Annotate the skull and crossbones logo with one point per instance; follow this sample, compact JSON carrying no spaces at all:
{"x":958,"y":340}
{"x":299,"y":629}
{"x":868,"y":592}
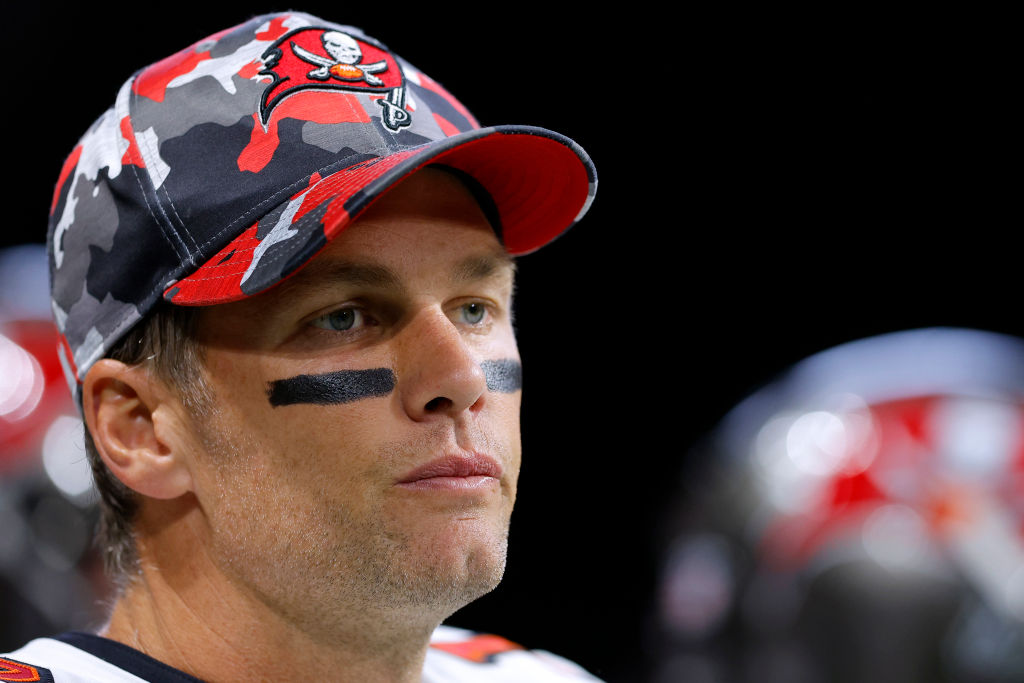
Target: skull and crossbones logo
{"x":344,"y":61}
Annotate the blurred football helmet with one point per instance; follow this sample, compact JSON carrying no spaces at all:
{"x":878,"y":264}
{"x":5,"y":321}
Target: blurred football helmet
{"x":860,"y":519}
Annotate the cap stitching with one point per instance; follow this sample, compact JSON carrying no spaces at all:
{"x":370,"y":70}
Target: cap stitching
{"x":155,"y":154}
{"x":229,"y":264}
{"x":181,"y":222}
{"x":138,"y":180}
{"x":159,"y":224}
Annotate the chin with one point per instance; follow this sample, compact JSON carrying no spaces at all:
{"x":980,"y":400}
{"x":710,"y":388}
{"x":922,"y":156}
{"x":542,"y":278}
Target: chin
{"x":456,"y":568}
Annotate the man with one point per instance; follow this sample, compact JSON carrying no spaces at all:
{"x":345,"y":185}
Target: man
{"x":285,"y":306}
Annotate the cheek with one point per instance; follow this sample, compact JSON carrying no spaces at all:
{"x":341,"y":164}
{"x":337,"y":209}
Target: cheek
{"x":311,"y":442}
{"x":504,"y":425}
{"x":303,"y":470}
{"x":290,"y":450}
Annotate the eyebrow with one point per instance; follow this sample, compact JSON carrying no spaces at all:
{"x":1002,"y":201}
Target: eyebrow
{"x":482,"y":267}
{"x":365,"y":274}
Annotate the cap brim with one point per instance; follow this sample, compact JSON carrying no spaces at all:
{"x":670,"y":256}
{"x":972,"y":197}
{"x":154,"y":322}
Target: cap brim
{"x":541,"y":183}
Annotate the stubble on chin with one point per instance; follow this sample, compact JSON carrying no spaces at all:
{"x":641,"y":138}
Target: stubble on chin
{"x":330,"y":576}
{"x":330,"y":567}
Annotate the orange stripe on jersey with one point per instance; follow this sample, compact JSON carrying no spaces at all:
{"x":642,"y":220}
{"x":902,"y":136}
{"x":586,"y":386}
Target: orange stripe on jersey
{"x":15,"y":671}
{"x":479,"y":648}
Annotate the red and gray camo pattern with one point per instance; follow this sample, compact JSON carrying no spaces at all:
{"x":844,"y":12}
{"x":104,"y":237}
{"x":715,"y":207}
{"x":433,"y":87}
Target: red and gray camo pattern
{"x":222,"y":169}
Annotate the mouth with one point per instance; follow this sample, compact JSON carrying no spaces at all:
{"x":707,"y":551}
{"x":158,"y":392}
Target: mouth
{"x":464,"y":472}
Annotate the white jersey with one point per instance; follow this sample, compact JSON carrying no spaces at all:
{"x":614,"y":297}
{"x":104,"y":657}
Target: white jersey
{"x":455,"y":656}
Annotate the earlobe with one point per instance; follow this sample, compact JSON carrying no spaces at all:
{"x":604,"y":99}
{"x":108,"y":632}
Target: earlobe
{"x":124,"y":407}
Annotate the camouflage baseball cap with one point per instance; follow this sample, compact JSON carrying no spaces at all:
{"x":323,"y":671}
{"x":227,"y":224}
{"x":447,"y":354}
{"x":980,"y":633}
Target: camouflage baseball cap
{"x":224,"y":168}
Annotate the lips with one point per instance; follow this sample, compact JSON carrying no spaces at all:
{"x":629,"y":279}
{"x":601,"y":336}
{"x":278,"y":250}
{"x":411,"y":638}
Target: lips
{"x":474,"y":465}
{"x":453,"y":470}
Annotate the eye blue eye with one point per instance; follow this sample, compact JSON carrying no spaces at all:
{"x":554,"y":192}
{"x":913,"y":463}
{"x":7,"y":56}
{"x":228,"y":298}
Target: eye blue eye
{"x":339,"y":320}
{"x":473,"y":313}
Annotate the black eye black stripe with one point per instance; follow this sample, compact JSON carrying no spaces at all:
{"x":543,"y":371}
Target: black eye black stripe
{"x":505,"y":376}
{"x":344,"y":386}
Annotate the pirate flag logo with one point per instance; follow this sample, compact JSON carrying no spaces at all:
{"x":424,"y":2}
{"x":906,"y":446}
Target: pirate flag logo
{"x":328,"y":59}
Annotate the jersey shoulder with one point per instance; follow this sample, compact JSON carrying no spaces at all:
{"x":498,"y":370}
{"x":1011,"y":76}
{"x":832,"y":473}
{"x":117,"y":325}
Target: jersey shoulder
{"x":456,"y":655}
{"x":85,"y":658}
{"x":51,"y":661}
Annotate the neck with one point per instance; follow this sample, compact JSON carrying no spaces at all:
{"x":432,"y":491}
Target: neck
{"x":181,"y":609}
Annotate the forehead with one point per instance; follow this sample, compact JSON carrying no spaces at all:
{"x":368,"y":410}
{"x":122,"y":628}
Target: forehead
{"x":426,"y":226}
{"x":425,"y":234}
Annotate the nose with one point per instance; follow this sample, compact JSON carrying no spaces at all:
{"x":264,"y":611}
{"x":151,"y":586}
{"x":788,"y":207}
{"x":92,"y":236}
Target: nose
{"x":438,"y":374}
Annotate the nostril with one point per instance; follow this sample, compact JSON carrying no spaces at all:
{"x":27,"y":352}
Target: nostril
{"x":438,"y":403}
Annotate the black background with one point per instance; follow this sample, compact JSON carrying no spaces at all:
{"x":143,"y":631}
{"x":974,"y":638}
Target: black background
{"x":771,"y":184}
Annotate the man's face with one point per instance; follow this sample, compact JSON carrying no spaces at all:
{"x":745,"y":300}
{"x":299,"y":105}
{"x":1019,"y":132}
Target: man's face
{"x":318,"y":507}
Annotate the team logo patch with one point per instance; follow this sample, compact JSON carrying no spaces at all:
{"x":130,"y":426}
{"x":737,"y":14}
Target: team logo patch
{"x":11,"y":670}
{"x":327,"y":59}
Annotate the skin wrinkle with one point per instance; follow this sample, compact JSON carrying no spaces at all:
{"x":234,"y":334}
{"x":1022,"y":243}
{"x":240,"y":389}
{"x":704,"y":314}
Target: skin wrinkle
{"x":199,"y":611}
{"x":161,"y":631}
{"x":173,"y":646}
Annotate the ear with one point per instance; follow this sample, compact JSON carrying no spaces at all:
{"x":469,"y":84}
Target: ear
{"x":131,"y":416}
